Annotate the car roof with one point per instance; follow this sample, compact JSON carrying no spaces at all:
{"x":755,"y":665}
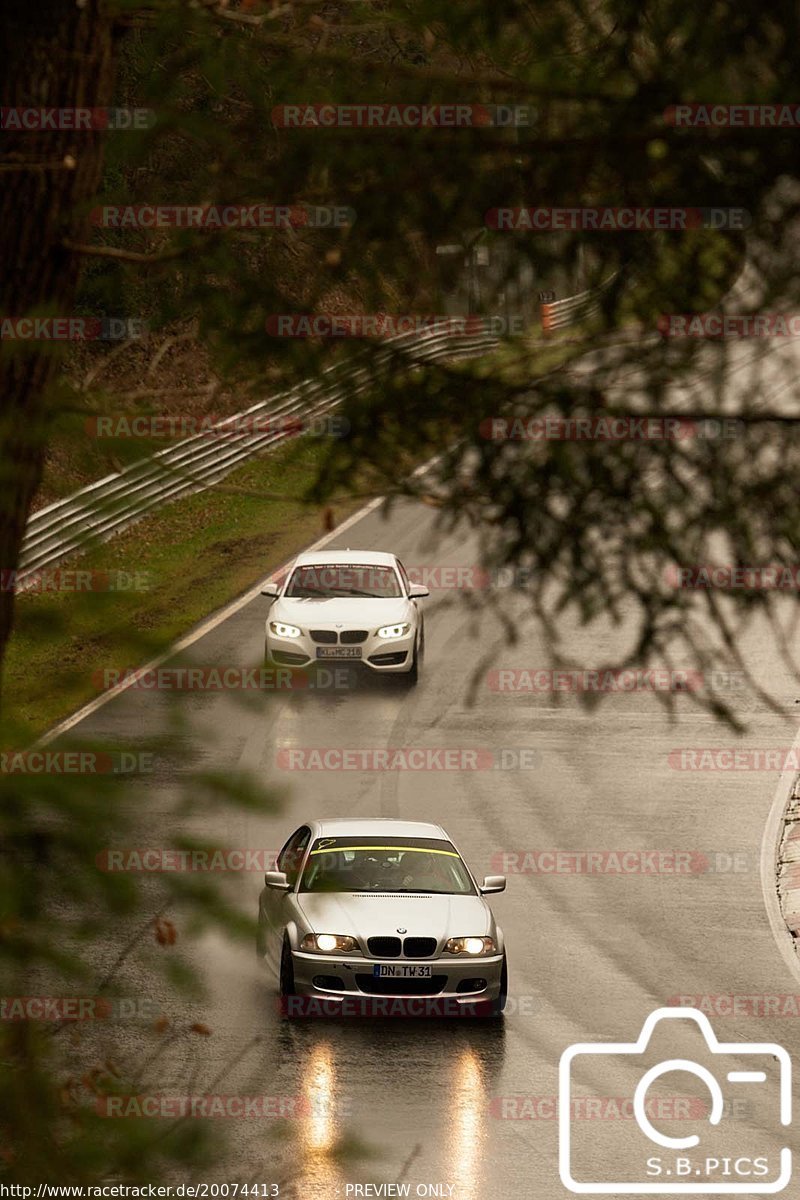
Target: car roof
{"x":369,"y":558}
{"x":386,"y":826}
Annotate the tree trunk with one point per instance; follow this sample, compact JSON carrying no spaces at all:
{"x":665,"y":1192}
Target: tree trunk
{"x":55,"y":54}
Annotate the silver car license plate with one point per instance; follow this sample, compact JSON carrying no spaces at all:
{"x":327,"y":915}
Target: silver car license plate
{"x":400,"y":971}
{"x":338,"y":652}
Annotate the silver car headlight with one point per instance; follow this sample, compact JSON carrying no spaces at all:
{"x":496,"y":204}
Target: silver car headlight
{"x":471,"y":945}
{"x":393,"y":631}
{"x":282,"y":630}
{"x":329,"y":943}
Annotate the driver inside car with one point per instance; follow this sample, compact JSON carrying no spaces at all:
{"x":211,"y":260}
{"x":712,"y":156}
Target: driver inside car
{"x":421,"y":873}
{"x":372,"y":872}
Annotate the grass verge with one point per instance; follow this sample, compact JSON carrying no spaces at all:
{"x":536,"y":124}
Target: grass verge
{"x":181,"y":563}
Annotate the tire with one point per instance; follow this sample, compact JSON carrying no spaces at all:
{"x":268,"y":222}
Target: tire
{"x":499,"y":1004}
{"x":411,"y":678}
{"x":287,"y":970}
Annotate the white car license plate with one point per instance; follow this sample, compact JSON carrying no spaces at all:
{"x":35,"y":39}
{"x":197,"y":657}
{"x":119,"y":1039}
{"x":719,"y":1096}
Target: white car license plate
{"x":338,"y":652}
{"x":400,"y":971}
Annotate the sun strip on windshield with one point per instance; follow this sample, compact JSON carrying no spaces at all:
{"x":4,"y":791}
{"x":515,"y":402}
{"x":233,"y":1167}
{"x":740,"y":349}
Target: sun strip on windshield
{"x":413,"y":849}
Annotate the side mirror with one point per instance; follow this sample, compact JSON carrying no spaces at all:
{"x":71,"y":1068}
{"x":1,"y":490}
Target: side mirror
{"x":493,"y":883}
{"x":270,"y":589}
{"x":417,"y":590}
{"x":278,"y":881}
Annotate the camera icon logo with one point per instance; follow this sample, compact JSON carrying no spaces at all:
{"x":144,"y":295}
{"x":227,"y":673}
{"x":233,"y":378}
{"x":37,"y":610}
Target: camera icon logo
{"x":682,"y":1164}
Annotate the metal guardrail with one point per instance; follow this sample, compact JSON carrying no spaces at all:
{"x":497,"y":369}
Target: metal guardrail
{"x":104,"y":508}
{"x":98,"y":511}
{"x":559,"y":314}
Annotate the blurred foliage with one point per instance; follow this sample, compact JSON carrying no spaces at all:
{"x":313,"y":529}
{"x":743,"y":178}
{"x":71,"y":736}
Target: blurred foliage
{"x":597,"y":81}
{"x":595,"y":524}
{"x":75,"y":931}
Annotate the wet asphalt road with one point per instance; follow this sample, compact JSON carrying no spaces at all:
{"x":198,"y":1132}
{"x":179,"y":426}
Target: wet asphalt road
{"x":468,"y":1107}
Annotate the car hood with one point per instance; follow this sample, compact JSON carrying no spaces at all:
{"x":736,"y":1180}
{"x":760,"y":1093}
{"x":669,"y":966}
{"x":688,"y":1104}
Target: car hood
{"x":381,"y":914}
{"x":351,"y":613}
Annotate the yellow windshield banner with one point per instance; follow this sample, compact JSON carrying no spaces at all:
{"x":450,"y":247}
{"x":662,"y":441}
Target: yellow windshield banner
{"x":364,"y":849}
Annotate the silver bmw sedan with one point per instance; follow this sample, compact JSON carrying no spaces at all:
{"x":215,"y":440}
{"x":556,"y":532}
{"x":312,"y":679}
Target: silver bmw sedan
{"x":380,"y":908}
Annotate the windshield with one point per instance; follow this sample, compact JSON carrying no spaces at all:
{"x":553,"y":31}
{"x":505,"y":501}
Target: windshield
{"x":386,"y":865}
{"x":319,"y":580}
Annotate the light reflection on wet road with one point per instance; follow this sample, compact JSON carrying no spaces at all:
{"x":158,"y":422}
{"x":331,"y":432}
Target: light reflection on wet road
{"x":590,"y":954}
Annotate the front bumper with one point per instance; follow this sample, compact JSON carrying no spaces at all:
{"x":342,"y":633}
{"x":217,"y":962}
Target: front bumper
{"x":377,"y":654}
{"x":450,"y":979}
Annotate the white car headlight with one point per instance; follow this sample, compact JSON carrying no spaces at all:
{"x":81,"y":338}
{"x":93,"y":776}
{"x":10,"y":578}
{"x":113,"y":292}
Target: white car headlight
{"x":471,"y":945}
{"x":282,"y":630}
{"x":329,"y":943}
{"x":392,"y":631}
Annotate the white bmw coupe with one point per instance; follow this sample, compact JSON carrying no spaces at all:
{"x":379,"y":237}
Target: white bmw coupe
{"x":349,"y":606}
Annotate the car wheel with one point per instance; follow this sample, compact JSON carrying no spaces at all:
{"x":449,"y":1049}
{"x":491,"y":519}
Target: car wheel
{"x":411,"y":678}
{"x":287,"y":970}
{"x":500,"y":1003}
